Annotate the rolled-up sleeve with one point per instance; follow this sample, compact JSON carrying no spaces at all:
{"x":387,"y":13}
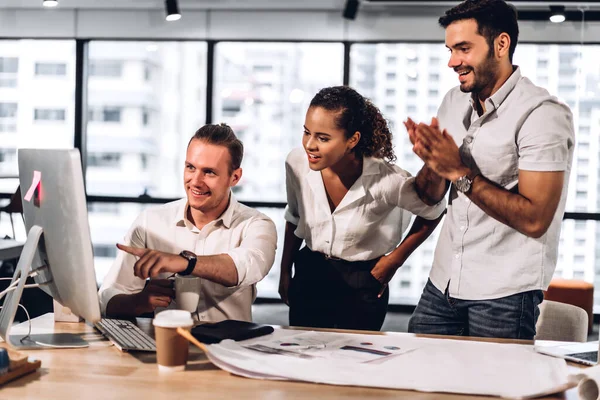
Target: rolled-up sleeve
{"x":255,"y":255}
{"x":120,"y":278}
{"x":546,"y":138}
{"x":400,"y":190}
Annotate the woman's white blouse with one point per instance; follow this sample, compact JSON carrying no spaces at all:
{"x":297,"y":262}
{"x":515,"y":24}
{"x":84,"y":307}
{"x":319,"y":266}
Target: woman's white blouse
{"x":370,"y":219}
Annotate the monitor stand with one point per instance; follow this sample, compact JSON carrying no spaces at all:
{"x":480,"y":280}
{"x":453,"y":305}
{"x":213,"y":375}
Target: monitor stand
{"x":11,"y":303}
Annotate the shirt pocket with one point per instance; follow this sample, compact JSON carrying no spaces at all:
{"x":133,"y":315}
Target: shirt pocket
{"x":498,"y":163}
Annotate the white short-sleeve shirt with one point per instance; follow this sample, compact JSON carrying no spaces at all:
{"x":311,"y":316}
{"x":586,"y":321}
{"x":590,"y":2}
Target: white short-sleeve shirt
{"x":370,"y":219}
{"x":523,"y":128}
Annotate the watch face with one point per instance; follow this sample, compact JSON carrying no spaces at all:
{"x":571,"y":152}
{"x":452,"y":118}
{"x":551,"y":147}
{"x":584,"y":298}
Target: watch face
{"x":187,"y":254}
{"x":463,"y":184}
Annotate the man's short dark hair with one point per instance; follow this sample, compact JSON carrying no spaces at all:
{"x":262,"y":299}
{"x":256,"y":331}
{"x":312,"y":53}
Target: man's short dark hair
{"x":222,"y":135}
{"x":493,"y":18}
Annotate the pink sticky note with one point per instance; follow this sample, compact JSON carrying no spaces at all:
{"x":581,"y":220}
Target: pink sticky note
{"x":37,"y":177}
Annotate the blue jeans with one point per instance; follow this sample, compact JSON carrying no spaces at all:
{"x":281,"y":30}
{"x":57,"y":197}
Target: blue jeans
{"x":512,"y":317}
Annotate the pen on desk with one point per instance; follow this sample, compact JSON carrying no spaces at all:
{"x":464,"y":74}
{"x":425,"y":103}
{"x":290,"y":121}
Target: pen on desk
{"x":186,"y":334}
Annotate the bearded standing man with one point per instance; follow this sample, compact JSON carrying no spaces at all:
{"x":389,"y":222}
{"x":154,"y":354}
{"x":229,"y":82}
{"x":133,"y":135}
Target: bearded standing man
{"x":504,"y":147}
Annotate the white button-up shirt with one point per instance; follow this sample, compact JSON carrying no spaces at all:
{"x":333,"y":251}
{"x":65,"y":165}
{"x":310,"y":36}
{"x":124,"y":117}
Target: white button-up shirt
{"x":370,"y":219}
{"x":246,"y":235}
{"x":523,"y":128}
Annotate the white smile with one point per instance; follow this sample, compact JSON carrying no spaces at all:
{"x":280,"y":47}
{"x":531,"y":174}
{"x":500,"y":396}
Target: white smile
{"x":199,"y":193}
{"x":313,"y":157}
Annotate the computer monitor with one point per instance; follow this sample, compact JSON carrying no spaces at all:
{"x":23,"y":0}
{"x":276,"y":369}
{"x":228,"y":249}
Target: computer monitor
{"x":58,"y":246}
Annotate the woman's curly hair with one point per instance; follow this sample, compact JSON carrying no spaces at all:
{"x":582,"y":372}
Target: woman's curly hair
{"x":357,"y":113}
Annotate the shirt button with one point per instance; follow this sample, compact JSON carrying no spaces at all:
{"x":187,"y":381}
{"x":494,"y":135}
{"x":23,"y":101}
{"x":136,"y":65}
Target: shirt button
{"x":327,"y":241}
{"x":462,"y":227}
{"x":469,"y":139}
{"x":456,"y":255}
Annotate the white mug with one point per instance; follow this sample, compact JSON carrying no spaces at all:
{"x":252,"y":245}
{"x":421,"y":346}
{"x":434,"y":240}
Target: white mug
{"x":187,"y":292}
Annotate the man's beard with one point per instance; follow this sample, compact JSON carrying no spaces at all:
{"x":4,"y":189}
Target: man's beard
{"x":484,"y":75}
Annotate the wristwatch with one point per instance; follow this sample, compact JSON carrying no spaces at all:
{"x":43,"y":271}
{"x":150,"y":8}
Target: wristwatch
{"x":191,"y":257}
{"x":463,"y":184}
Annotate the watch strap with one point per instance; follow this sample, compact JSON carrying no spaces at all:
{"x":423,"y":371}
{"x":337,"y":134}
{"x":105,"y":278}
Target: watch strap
{"x":191,"y":263}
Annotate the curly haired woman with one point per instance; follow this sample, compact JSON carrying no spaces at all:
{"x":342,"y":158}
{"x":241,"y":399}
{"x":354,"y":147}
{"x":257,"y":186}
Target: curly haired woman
{"x":351,"y":205}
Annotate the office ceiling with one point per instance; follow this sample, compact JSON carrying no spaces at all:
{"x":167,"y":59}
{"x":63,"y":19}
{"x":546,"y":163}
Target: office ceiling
{"x":184,"y":4}
{"x":275,"y":4}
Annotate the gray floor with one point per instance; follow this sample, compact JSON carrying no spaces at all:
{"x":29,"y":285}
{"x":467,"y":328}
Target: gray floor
{"x":277,"y":314}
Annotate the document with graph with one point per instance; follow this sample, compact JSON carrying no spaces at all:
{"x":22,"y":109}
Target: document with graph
{"x":395,"y":362}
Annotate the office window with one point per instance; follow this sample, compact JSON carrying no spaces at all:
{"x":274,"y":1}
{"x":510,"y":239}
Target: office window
{"x":21,"y":94}
{"x":390,"y":92}
{"x":112,"y":160}
{"x":146,"y":118}
{"x":147,"y":72}
{"x":262,"y":68}
{"x":51,"y":69}
{"x":105,"y":114}
{"x":49,"y":114}
{"x":9,"y":65}
{"x":105,"y":208}
{"x":390,"y":76}
{"x":8,"y":117}
{"x":262,"y":90}
{"x":106,"y":68}
{"x":8,"y":110}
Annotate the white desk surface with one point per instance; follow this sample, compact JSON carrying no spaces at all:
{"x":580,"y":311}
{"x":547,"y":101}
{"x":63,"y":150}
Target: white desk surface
{"x":102,"y":371}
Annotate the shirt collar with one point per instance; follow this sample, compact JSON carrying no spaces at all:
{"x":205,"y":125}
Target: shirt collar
{"x":226,"y":218}
{"x":501,"y":94}
{"x":370,"y":166}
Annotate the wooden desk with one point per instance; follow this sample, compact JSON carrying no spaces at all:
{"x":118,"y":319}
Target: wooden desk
{"x":102,"y":372}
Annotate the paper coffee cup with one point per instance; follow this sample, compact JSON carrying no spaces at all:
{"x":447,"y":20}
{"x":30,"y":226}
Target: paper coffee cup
{"x":187,"y":292}
{"x":171,"y":348}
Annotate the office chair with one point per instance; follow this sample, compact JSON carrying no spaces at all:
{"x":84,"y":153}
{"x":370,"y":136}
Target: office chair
{"x":562,"y":322}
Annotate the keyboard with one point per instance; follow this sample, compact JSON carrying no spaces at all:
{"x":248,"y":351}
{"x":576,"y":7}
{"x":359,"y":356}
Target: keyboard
{"x":125,"y":335}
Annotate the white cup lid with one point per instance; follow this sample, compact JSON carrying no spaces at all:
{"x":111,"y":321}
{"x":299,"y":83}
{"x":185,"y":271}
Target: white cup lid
{"x":173,"y":319}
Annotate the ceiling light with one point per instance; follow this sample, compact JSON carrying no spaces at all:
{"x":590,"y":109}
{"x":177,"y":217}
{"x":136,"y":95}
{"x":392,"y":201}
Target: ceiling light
{"x":350,"y":9}
{"x":172,"y":10}
{"x":50,"y":3}
{"x":557,"y":14}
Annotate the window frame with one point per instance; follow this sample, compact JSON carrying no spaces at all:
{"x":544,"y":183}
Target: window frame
{"x":80,"y":110}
